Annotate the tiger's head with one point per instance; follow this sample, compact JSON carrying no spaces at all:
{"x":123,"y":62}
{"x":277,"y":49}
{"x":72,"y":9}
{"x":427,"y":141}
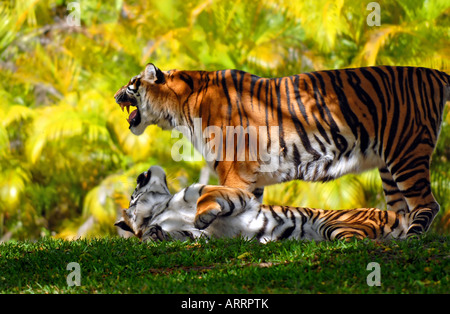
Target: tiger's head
{"x":154,"y":97}
{"x":146,"y":201}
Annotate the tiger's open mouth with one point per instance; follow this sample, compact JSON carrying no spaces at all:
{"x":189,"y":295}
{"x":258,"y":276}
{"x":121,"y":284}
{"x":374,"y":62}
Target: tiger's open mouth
{"x":134,"y":117}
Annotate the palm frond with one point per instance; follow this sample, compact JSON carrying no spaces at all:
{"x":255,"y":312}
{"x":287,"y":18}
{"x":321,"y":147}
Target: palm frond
{"x":377,"y":40}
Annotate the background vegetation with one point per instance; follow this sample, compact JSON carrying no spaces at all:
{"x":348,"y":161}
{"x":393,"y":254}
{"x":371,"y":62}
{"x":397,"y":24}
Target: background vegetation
{"x":67,"y":159}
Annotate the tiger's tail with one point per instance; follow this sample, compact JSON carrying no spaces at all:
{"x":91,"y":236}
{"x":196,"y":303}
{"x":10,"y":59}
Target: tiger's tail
{"x":446,"y":79}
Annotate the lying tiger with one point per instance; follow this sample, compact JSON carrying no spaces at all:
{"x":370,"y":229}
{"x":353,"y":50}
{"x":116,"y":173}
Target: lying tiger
{"x":155,"y":214}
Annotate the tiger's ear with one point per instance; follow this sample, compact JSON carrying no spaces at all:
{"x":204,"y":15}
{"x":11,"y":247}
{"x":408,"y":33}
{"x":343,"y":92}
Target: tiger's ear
{"x":122,"y":225}
{"x":153,"y":75}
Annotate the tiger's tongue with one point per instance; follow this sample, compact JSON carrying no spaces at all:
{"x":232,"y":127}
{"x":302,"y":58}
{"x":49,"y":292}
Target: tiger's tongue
{"x":132,"y":115}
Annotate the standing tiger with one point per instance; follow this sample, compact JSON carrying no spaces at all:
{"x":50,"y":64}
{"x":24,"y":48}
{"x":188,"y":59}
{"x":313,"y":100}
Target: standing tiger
{"x":155,"y":214}
{"x":330,"y":123}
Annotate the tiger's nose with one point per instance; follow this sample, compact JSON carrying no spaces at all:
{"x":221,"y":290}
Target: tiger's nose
{"x":118,"y":93}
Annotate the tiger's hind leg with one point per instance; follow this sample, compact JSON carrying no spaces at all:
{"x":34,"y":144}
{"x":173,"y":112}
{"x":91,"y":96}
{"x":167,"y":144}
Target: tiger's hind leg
{"x":412,"y":176}
{"x":394,"y":198}
{"x":421,"y":219}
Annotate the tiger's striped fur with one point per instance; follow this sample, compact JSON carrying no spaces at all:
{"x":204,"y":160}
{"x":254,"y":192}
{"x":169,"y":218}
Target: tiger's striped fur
{"x":330,"y":123}
{"x":155,"y":214}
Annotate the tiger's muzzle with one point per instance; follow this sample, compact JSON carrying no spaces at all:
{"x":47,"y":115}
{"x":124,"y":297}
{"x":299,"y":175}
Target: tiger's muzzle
{"x":125,"y":101}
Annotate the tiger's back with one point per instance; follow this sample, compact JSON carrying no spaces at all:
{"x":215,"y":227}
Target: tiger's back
{"x":330,"y":122}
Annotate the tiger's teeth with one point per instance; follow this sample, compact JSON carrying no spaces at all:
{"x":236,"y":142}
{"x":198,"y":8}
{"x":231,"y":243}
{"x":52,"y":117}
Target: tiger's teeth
{"x":121,"y":106}
{"x":128,"y":109}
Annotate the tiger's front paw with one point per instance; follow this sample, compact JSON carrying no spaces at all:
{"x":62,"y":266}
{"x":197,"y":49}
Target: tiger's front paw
{"x":154,"y":233}
{"x":205,"y":216}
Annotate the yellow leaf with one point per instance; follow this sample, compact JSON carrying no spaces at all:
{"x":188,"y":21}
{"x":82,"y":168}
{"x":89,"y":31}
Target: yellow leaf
{"x":243,"y":255}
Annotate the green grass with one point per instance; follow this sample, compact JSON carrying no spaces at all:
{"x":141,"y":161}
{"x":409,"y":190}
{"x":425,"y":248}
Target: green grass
{"x":116,"y":265}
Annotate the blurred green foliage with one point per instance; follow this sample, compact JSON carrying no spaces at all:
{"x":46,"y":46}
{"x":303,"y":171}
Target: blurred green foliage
{"x":66,"y":154}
